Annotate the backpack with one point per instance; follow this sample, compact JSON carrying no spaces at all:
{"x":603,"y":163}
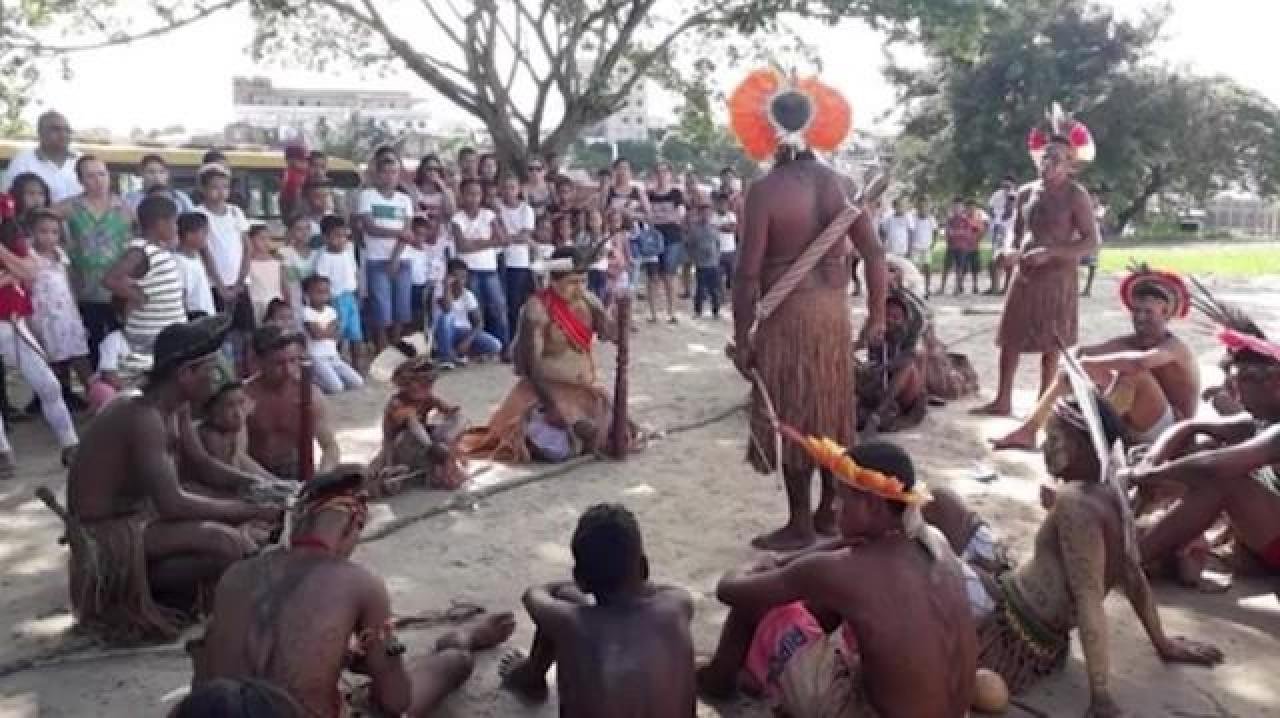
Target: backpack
{"x":647,"y":243}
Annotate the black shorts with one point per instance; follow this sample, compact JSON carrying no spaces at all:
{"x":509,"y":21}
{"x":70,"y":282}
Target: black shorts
{"x":963,"y":260}
{"x":241,"y":311}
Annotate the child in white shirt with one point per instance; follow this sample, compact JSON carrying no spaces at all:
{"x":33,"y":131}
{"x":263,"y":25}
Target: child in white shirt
{"x":337,"y":263}
{"x":330,"y":372}
{"x":726,"y":223}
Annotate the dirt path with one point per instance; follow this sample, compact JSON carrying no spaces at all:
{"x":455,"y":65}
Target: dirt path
{"x":698,"y":504}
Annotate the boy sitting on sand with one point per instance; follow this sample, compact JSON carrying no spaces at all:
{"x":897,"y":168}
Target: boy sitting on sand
{"x":631,"y":647}
{"x":419,"y":429}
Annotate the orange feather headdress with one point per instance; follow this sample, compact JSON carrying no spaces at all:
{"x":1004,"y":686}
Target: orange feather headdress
{"x":835,"y":458}
{"x":769,"y":109}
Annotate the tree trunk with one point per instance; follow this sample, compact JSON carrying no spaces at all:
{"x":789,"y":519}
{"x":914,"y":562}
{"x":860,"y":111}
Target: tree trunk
{"x":1139,"y":204}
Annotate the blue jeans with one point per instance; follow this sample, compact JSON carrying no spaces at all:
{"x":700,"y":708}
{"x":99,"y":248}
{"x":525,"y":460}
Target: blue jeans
{"x":708,"y":287}
{"x":520,"y":285}
{"x":448,"y":335}
{"x":391,"y":296}
{"x":487,"y":286}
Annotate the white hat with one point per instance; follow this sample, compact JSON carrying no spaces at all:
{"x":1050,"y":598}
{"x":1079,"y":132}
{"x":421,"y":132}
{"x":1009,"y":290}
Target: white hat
{"x":393,"y":356}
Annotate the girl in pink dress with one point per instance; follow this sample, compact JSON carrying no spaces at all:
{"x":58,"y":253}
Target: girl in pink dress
{"x":56,"y":320}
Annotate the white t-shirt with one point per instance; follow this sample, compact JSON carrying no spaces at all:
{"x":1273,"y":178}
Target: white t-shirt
{"x":728,"y":239}
{"x":435,"y":259}
{"x":197,"y":294}
{"x":515,"y":220}
{"x":226,"y":241}
{"x":340,"y":269}
{"x":111,"y":350}
{"x":461,"y":307}
{"x":897,"y":234}
{"x":999,"y":204}
{"x":62,"y":181}
{"x":392,"y":213}
{"x":416,"y":260}
{"x":320,"y":348}
{"x":479,"y":227}
{"x":922,"y":232}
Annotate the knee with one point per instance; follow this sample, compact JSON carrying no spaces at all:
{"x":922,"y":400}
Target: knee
{"x":226,"y":543}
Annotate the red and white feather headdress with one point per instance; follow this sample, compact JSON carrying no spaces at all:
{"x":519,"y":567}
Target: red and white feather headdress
{"x":1061,"y":124}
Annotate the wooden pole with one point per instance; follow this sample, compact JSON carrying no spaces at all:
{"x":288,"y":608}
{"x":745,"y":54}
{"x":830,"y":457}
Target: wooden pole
{"x":306,"y":426}
{"x":621,"y":433}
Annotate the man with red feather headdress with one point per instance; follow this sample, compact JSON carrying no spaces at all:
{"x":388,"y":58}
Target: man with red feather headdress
{"x":1150,"y":375}
{"x":792,"y":329}
{"x":1041,"y":311}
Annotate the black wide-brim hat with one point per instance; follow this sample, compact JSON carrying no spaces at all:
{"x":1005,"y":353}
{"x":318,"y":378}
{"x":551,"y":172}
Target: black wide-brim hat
{"x":179,"y":344}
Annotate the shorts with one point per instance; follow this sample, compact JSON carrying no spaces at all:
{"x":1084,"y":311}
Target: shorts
{"x":780,"y":635}
{"x":391,"y":297}
{"x":241,"y":310}
{"x":348,"y":309}
{"x":964,"y":260}
{"x":668,"y":263}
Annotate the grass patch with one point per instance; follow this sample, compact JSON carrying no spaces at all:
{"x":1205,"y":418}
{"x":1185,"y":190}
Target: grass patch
{"x":1225,"y":260}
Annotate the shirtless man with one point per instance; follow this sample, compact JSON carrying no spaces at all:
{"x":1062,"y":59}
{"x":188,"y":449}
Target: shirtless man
{"x":1234,"y":474}
{"x":276,"y":417}
{"x":799,"y":355}
{"x":631,"y":647}
{"x":903,"y":643}
{"x":136,"y":535}
{"x":557,"y":409}
{"x":1079,"y":557}
{"x":891,"y":384}
{"x":1041,"y":310}
{"x":299,"y":617}
{"x":1151,"y":376}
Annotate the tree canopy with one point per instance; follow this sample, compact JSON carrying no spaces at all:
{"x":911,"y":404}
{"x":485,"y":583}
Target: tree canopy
{"x":1157,"y":131}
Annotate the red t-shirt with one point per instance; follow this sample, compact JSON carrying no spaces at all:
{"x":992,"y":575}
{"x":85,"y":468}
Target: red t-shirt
{"x":14,"y":301}
{"x":961,"y":234}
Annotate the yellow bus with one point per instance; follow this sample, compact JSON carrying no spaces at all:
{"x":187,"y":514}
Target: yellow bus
{"x":256,"y":175}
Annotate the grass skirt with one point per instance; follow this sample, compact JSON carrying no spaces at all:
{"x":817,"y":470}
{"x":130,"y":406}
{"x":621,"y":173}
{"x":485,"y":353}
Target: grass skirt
{"x":1041,"y":309}
{"x":110,"y":591}
{"x":804,"y":356}
{"x":1013,"y":643}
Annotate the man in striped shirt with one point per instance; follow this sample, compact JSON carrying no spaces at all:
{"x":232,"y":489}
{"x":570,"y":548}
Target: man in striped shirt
{"x":146,"y":278}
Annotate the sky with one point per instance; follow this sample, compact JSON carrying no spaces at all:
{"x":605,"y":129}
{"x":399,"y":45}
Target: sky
{"x":184,"y":78}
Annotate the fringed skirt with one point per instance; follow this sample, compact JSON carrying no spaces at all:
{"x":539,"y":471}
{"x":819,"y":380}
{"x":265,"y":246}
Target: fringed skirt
{"x":804,"y":356}
{"x":1014,"y":644}
{"x":506,"y":437}
{"x":110,"y":590}
{"x":1042,"y":309}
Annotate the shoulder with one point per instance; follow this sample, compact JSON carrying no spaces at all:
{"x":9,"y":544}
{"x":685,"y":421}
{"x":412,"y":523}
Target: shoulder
{"x":534,"y":310}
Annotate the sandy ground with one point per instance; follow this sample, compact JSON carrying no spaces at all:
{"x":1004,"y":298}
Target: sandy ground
{"x":698,"y":503}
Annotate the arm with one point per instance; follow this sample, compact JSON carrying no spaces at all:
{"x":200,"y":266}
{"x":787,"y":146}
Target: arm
{"x":1180,"y":438}
{"x":154,"y":466}
{"x":876,"y":272}
{"x":756,"y":591}
{"x":746,"y":281}
{"x":1020,"y":219}
{"x":529,"y":347}
{"x":23,"y":269}
{"x":243,"y":275}
{"x":1217,"y":464}
{"x":1084,"y":557}
{"x":211,"y":471}
{"x":211,"y":269}
{"x":1171,"y":650}
{"x":392,"y":687}
{"x":1130,"y":362}
{"x":120,"y":279}
{"x":330,"y":452}
{"x":553,"y":606}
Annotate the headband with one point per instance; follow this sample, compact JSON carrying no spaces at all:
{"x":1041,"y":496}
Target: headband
{"x":769,"y":109}
{"x":1061,"y":124}
{"x":835,"y":458}
{"x":1236,"y":341}
{"x":1169,"y":284}
{"x":417,"y":368}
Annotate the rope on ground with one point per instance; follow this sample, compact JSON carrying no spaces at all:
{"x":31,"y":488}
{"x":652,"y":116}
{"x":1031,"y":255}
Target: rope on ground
{"x":465,"y":499}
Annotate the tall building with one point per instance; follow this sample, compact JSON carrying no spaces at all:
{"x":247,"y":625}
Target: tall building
{"x":630,"y":123}
{"x":284,"y":113}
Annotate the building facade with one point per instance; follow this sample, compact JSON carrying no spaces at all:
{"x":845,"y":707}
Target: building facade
{"x":284,"y":114}
{"x":630,"y":123}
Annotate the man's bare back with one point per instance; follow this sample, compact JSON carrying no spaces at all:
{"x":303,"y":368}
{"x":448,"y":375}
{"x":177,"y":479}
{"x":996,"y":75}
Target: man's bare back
{"x":102,"y":483}
{"x":287,"y":617}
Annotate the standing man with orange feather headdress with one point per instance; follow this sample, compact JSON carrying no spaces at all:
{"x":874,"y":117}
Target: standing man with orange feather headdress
{"x":792,"y":330}
{"x":1041,"y":311}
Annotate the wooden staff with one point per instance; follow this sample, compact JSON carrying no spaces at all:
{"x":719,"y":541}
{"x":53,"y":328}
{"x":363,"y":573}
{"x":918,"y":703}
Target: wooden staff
{"x":621,"y":432}
{"x":306,"y":426}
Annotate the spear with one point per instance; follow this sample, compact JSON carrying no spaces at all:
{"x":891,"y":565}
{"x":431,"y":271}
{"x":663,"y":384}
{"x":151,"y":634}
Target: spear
{"x":306,"y":426}
{"x":621,"y":433}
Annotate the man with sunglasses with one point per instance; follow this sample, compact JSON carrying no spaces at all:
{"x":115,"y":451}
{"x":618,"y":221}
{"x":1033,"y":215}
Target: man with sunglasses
{"x":143,"y":548}
{"x":1224,"y":466}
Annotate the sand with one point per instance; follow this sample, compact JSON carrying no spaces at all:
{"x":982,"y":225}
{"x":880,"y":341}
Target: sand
{"x":698,"y":503}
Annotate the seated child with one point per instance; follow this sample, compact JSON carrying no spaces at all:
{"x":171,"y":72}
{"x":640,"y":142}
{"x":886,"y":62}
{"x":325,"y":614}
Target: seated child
{"x":330,"y":372}
{"x":281,"y":314}
{"x":631,"y":646}
{"x":419,"y":430}
{"x":108,"y":380}
{"x":222,"y":436}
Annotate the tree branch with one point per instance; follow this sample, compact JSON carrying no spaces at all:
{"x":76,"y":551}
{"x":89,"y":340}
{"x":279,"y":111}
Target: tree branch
{"x":36,"y":47}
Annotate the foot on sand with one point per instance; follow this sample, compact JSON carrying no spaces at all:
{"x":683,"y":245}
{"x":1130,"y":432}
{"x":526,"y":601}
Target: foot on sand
{"x":1021,"y":439}
{"x":992,"y":409}
{"x":786,"y":538}
{"x":519,"y":678}
{"x":481,"y":634}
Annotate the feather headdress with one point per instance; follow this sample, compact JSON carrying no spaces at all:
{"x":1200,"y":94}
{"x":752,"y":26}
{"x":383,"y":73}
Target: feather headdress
{"x":1168,"y":284}
{"x":770,"y":108}
{"x":1062,"y":124}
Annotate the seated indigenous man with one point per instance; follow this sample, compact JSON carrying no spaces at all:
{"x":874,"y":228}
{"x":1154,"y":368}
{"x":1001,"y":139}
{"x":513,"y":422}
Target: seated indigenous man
{"x":1079,"y":556}
{"x":221,"y":435}
{"x":817,"y":638}
{"x":632,"y":647}
{"x":275,"y":422}
{"x":1232,"y":474}
{"x":419,"y":429}
{"x":891,"y":383}
{"x":301,"y":616}
{"x":1150,"y":376}
{"x":137,"y":536}
{"x":557,"y":410}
